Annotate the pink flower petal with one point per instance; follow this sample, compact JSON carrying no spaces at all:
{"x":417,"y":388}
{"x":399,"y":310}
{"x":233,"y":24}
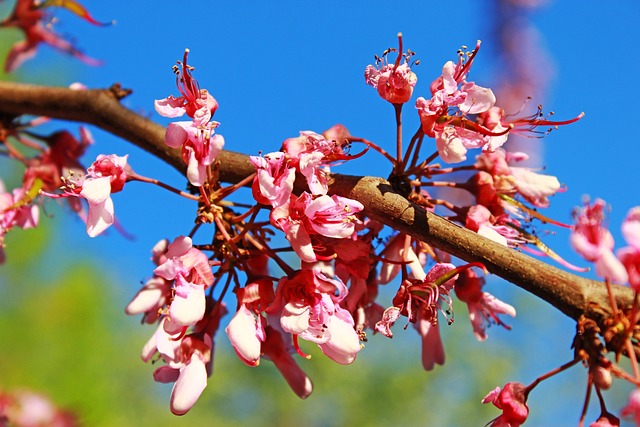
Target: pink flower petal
{"x":189,"y":386}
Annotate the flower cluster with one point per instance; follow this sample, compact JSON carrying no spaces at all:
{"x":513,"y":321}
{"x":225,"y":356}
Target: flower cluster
{"x":325,"y":290}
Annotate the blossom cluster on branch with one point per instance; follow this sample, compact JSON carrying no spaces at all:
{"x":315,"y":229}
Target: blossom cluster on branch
{"x":322,"y":285}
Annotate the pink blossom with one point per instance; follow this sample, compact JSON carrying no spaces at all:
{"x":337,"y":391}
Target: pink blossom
{"x":16,"y":210}
{"x":595,"y":243}
{"x":534,"y":187}
{"x":484,"y":308}
{"x":274,"y":179}
{"x":30,"y":17}
{"x":200,"y":147}
{"x":156,"y":293}
{"x":333,"y":216}
{"x":444,"y":116}
{"x":150,"y":299}
{"x":189,"y":372}
{"x":189,"y":269}
{"x":195,"y":102}
{"x":304,"y":216}
{"x":394,"y":82}
{"x":632,"y":410}
{"x":106,"y":175}
{"x":630,"y":255}
{"x":396,"y":254}
{"x":60,"y":159}
{"x":512,"y":400}
{"x":189,"y":358}
{"x":496,"y":121}
{"x":420,"y":299}
{"x":308,"y":305}
{"x":246,"y":331}
{"x":479,"y":219}
{"x":312,"y":154}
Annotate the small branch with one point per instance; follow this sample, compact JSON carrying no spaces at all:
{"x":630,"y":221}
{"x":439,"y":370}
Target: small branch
{"x":571,"y":294}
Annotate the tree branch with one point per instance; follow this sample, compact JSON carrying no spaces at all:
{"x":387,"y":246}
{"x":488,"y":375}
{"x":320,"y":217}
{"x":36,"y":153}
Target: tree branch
{"x":571,"y":294}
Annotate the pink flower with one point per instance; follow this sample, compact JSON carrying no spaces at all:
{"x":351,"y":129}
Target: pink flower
{"x":59,"y":160}
{"x":484,"y":308}
{"x":496,"y":121}
{"x":156,"y":293}
{"x":308,"y":305}
{"x":311,"y":154}
{"x":189,"y":372}
{"x":632,"y":410}
{"x":106,"y":175}
{"x":274,"y":179}
{"x":445,"y":115}
{"x":16,"y":210}
{"x":480,"y":220}
{"x":630,"y":255}
{"x":189,"y":269}
{"x":195,"y":102}
{"x":420,"y":299}
{"x":29,"y":16}
{"x":200,"y":147}
{"x":534,"y":187}
{"x":512,"y":400}
{"x":189,"y":357}
{"x":595,"y":243}
{"x":395,"y":254}
{"x":246,"y":331}
{"x":304,"y":216}
{"x":394,"y":82}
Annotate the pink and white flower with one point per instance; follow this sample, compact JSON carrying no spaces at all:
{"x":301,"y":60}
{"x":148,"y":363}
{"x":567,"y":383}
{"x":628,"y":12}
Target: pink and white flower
{"x":630,"y":255}
{"x":484,"y":308}
{"x":395,"y":81}
{"x":200,"y":147}
{"x":305,"y":216}
{"x":191,"y":274}
{"x":595,"y":243}
{"x":195,"y":102}
{"x":246,"y":330}
{"x":274,"y":179}
{"x":309,"y":308}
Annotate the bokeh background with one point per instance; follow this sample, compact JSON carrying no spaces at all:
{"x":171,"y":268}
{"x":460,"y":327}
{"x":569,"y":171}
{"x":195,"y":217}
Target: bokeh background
{"x":277,"y":68}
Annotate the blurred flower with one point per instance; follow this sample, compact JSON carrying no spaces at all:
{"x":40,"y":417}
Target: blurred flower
{"x":30,"y":17}
{"x":595,"y":243}
{"x":512,"y":400}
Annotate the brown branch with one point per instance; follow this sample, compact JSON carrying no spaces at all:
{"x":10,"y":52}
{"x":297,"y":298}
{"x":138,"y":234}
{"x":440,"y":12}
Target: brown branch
{"x":571,"y":294}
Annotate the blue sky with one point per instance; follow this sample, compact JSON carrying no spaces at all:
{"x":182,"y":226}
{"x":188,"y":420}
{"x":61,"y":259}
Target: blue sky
{"x":279,"y":68}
